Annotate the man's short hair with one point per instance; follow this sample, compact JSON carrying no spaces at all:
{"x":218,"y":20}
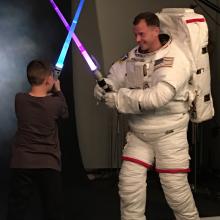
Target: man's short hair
{"x":150,"y":18}
{"x":37,"y":71}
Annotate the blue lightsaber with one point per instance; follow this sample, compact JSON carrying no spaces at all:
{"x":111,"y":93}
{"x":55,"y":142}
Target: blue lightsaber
{"x":60,"y":61}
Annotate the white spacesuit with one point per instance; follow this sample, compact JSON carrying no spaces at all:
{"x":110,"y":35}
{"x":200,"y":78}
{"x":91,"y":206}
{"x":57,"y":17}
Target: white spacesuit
{"x":154,"y":90}
{"x":158,"y":120}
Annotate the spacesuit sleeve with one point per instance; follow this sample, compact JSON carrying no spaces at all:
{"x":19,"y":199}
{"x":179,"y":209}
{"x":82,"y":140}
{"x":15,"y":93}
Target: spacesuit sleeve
{"x":136,"y":101}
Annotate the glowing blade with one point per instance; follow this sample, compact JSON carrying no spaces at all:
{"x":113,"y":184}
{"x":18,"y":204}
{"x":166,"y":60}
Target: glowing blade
{"x":75,"y":38}
{"x":66,"y":44}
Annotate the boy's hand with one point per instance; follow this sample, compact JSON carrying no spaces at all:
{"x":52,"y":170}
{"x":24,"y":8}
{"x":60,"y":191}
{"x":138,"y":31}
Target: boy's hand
{"x":57,"y":85}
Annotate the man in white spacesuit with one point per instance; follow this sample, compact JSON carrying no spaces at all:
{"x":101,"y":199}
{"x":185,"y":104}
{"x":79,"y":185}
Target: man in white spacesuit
{"x":150,"y":84}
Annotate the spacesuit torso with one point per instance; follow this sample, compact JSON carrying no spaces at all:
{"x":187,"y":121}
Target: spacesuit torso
{"x":139,"y":70}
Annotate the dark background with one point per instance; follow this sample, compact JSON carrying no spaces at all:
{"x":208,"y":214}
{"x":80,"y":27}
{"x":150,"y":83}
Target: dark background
{"x":30,"y":30}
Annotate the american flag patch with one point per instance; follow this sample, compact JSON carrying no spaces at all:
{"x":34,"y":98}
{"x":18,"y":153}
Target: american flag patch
{"x":163,"y":62}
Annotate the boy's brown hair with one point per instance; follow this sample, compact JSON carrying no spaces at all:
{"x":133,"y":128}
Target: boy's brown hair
{"x":37,"y":71}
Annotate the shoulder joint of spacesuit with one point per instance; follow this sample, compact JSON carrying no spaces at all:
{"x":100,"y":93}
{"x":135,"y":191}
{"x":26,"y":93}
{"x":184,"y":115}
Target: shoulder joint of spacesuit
{"x":122,"y":59}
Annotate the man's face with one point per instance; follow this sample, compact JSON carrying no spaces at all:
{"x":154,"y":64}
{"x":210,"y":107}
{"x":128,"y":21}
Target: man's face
{"x":145,"y":35}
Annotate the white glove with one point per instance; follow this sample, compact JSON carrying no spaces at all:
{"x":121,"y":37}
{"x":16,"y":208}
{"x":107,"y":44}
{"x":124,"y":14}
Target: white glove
{"x":111,"y":99}
{"x":99,"y":92}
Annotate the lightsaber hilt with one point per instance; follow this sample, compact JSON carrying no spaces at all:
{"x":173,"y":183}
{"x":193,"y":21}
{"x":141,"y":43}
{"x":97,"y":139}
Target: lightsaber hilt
{"x":57,"y":72}
{"x":101,"y":81}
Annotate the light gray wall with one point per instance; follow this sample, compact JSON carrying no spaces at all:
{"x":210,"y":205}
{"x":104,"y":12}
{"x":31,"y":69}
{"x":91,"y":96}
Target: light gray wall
{"x":105,"y":29}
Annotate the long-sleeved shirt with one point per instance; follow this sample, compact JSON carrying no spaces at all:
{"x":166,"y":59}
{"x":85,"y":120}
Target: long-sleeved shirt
{"x":36,"y":142}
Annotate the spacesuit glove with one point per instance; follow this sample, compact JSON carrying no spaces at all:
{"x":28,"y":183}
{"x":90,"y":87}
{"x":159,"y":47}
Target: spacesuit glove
{"x":110,"y":99}
{"x":99,"y":92}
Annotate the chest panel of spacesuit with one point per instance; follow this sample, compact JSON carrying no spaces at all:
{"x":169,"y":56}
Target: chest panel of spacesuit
{"x":139,"y":72}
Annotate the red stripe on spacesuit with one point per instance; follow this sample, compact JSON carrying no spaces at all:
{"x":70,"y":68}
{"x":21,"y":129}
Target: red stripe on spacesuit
{"x":137,"y":161}
{"x":173,"y":170}
{"x":195,"y":20}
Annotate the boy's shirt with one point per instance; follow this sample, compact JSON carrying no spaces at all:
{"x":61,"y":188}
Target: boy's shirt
{"x":36,"y":142}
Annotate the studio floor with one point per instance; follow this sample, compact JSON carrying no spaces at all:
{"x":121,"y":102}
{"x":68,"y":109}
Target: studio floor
{"x":98,"y":200}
